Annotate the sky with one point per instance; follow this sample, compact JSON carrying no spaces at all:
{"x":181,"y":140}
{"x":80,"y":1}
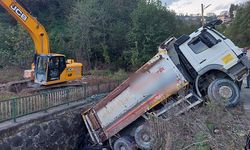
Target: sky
{"x":194,"y":6}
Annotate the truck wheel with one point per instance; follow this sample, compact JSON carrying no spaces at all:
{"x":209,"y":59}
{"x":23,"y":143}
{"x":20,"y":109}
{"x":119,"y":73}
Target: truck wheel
{"x":224,"y":90}
{"x":124,"y":143}
{"x":143,"y":138}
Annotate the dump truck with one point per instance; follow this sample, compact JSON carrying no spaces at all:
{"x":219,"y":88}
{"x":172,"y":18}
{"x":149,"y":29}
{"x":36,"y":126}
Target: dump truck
{"x":183,"y":72}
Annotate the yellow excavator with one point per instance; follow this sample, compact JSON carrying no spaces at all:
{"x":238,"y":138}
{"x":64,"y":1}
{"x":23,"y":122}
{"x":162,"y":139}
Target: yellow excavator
{"x":48,"y":68}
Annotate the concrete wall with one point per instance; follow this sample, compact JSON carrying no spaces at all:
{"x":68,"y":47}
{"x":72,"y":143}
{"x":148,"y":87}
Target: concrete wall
{"x":63,"y":130}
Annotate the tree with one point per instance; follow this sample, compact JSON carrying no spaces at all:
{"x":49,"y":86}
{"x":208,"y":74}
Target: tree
{"x":239,"y":30}
{"x":85,"y":29}
{"x":152,"y":23}
{"x":23,"y":48}
{"x":233,"y":8}
{"x":17,"y":48}
{"x":98,"y":30}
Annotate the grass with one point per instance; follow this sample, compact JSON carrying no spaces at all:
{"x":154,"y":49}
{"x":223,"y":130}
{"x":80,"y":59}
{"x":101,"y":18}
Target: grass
{"x":7,"y":95}
{"x":10,"y":73}
{"x":199,"y":138}
{"x":113,"y":75}
{"x":209,"y":127}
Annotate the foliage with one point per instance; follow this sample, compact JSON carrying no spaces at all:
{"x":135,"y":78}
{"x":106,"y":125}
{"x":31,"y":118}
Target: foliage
{"x":152,"y":23}
{"x":211,"y":126}
{"x":102,"y":34}
{"x":100,"y":30}
{"x":233,"y":8}
{"x":240,"y":28}
{"x":16,"y":47}
{"x":114,"y":75}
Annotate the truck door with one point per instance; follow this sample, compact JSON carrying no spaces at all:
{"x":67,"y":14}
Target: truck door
{"x":209,"y":48}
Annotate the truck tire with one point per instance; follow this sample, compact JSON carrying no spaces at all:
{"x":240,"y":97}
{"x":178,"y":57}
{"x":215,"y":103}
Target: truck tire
{"x":124,"y":143}
{"x":143,"y":137}
{"x":225,"y":91}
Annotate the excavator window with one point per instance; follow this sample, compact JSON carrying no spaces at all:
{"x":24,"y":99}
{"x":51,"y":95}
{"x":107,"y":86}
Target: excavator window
{"x":56,"y":66}
{"x":42,"y":65}
{"x":41,"y":68}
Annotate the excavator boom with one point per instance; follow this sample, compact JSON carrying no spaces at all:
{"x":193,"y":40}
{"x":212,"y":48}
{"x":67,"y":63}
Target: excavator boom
{"x":30,"y":23}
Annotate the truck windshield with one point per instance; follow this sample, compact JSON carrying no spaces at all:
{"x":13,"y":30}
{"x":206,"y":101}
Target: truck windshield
{"x":202,"y":42}
{"x":198,"y":46}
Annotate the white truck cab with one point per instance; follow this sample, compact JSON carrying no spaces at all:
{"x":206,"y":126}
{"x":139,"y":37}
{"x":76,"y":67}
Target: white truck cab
{"x":206,"y":47}
{"x":207,"y":57}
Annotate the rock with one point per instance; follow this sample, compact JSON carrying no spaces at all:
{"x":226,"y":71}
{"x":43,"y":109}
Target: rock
{"x":28,"y":142}
{"x":5,"y":146}
{"x":41,"y":139}
{"x":17,"y":141}
{"x":29,"y":147}
{"x":216,"y":131}
{"x":64,"y":124}
{"x":54,"y":138}
{"x":45,"y":127}
{"x":51,"y":128}
{"x":33,"y":131}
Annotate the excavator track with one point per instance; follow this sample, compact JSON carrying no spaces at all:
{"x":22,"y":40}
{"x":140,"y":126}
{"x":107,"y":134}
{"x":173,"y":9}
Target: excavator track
{"x":30,"y":87}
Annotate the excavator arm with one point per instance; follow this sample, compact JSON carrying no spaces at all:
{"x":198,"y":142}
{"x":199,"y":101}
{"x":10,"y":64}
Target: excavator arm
{"x":30,"y":23}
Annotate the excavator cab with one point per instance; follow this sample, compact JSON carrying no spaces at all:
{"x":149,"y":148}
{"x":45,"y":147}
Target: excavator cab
{"x":49,"y":68}
{"x":53,"y":68}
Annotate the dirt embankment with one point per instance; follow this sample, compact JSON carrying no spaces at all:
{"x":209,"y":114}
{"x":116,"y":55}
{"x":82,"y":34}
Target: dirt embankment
{"x":206,"y":128}
{"x":19,"y":88}
{"x":7,"y":75}
{"x":10,"y":73}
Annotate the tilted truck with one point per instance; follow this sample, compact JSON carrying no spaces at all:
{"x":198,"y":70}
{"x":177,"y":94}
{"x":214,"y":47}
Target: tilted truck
{"x":204,"y":63}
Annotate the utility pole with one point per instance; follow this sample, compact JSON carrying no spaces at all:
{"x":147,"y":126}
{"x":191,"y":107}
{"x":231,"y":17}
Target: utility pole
{"x":202,"y":13}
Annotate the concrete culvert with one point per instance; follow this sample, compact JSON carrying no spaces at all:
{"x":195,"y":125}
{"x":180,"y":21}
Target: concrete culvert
{"x":224,"y":91}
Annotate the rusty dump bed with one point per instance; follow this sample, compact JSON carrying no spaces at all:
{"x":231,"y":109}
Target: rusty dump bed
{"x":154,"y":82}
